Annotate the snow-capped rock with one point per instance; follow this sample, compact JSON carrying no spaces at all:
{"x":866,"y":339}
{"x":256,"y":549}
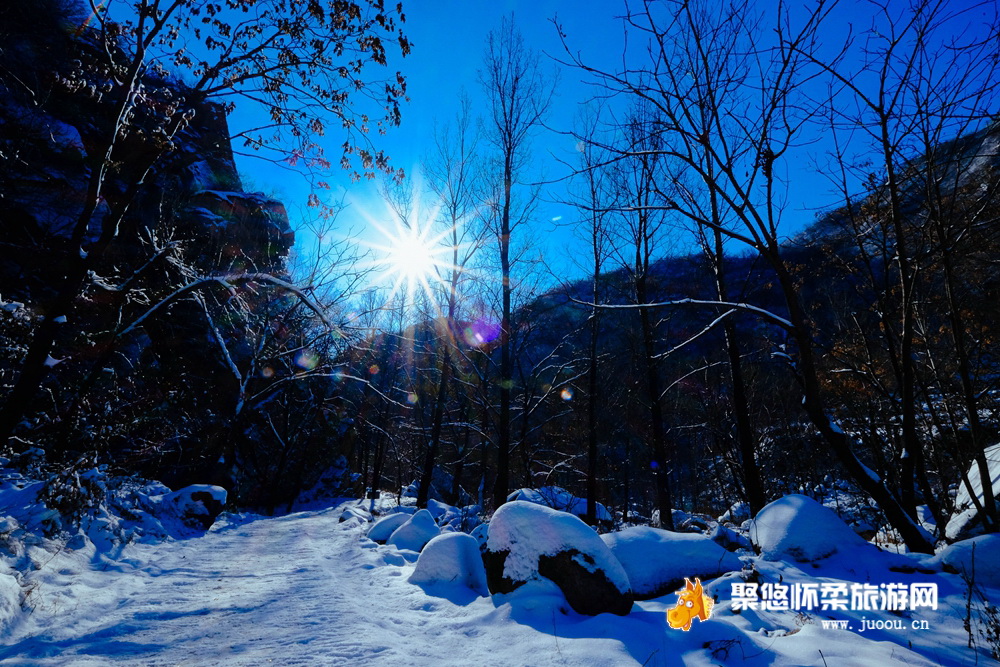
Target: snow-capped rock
{"x":452,"y":558}
{"x":657,"y":561}
{"x":729,"y":539}
{"x":975,"y":559}
{"x":415,"y":533}
{"x":382,"y":529}
{"x":800,"y":527}
{"x":355,"y":516}
{"x":527,"y":542}
{"x":737,"y":513}
{"x":560,"y":499}
{"x":196,"y":506}
{"x":439,"y":509}
{"x":481,"y":534}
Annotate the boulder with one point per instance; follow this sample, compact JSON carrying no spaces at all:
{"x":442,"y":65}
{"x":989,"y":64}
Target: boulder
{"x":975,"y":559}
{"x":729,"y":539}
{"x":683,"y":522}
{"x":657,"y":561}
{"x":355,"y":516}
{"x":382,"y":529}
{"x":452,"y":558}
{"x":481,"y":533}
{"x":197,"y":506}
{"x":439,"y":509}
{"x":460,"y":519}
{"x":415,"y":533}
{"x":560,"y":499}
{"x":529,"y":542}
{"x":737,"y":513}
{"x":355,"y":513}
{"x":799,"y":527}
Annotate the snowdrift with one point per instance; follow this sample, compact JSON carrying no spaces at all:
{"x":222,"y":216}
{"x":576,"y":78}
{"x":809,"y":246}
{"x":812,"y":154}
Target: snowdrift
{"x":657,"y":561}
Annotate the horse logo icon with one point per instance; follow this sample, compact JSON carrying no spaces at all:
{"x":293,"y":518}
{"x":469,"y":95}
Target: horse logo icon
{"x":691,"y":602}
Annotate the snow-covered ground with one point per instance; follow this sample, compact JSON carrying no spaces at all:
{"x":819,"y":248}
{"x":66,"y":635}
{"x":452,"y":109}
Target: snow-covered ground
{"x":306,"y":589}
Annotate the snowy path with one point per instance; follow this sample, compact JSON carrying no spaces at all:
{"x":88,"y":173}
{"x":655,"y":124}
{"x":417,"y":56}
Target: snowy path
{"x":293,"y":590}
{"x":304,"y":589}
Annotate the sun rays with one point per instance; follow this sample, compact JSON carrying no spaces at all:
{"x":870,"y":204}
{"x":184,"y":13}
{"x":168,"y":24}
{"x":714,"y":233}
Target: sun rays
{"x":412,"y":256}
{"x":413,"y":261}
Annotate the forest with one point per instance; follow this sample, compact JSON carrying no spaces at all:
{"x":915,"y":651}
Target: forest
{"x":191,"y":350}
{"x":162,"y":322}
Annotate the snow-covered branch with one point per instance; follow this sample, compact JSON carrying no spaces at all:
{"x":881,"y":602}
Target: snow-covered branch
{"x":709,"y":303}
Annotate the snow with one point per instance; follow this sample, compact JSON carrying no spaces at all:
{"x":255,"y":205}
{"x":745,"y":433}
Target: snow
{"x":737,"y":513}
{"x":965,"y":511}
{"x":799,"y":527}
{"x":305,"y":589}
{"x":10,"y":597}
{"x":438,"y":509}
{"x":357,"y":516}
{"x":453,"y":559}
{"x":560,"y":499}
{"x":977,"y":559}
{"x":415,"y":533}
{"x":481,"y":534}
{"x":195,"y":505}
{"x":657,"y":561}
{"x":729,"y":539}
{"x":382,"y":529}
{"x":185,"y":498}
{"x":529,"y":531}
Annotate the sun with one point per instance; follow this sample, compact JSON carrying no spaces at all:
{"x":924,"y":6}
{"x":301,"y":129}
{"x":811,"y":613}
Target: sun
{"x":411,"y":256}
{"x":411,"y":260}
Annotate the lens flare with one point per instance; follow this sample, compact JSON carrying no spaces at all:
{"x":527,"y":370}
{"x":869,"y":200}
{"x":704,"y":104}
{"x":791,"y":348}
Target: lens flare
{"x":306,"y":360}
{"x":480,"y":332}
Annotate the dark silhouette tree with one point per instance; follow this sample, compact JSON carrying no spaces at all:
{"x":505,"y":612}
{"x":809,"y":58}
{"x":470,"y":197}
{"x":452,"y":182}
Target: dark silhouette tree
{"x":306,"y":65}
{"x":518,"y":94}
{"x":724,"y":95}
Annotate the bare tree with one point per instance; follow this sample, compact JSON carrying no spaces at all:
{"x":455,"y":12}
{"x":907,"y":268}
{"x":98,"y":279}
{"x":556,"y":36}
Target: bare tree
{"x":595,"y":189}
{"x":519,"y":94}
{"x":303,"y":63}
{"x":920,"y":83}
{"x":452,"y":172}
{"x":643,"y":235}
{"x":724,"y":94}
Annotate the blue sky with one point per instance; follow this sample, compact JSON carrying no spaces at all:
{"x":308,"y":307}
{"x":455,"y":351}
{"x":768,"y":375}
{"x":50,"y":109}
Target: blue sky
{"x":448,"y":38}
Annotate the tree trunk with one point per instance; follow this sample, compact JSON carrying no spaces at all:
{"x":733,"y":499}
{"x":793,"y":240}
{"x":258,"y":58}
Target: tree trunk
{"x":838,"y":441}
{"x":660,"y":472}
{"x":501,"y":486}
{"x":741,"y":406}
{"x":592,"y":398}
{"x":423,"y":491}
